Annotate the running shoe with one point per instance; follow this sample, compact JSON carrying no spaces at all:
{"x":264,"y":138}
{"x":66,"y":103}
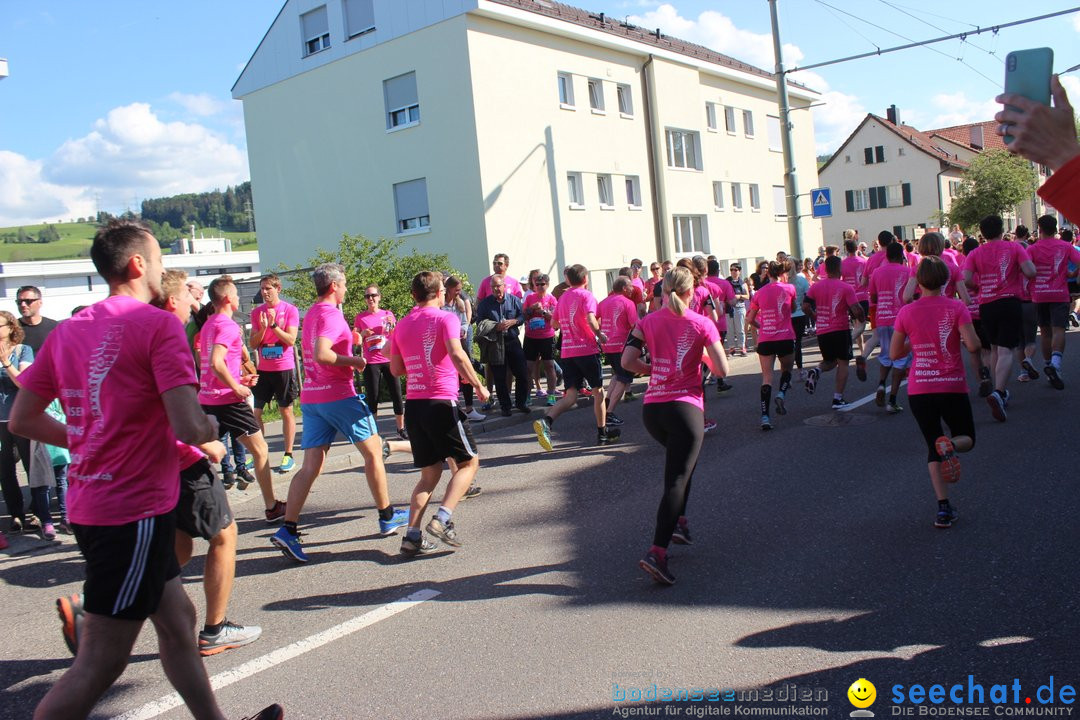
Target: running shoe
{"x":228,"y":480}
{"x":812,"y":380}
{"x":385,"y":449}
{"x":403,"y":434}
{"x":244,"y":478}
{"x":1023,"y":377}
{"x":723,"y":386}
{"x":613,"y":419}
{"x":472,"y":492}
{"x":275,"y":514}
{"x":1054,"y":377}
{"x":551,"y":400}
{"x":681,"y":536}
{"x":444,"y":532}
{"x":946,"y":517}
{"x":64,"y":528}
{"x":16,"y":526}
{"x":287,"y":464}
{"x":289,"y":545}
{"x":399,"y":519}
{"x":249,"y":463}
{"x":607,"y":436}
{"x":412,"y":548}
{"x":950,"y":464}
{"x":997,"y":406}
{"x":893,"y":408}
{"x":860,"y":368}
{"x":48,"y":532}
{"x":1074,"y":320}
{"x":629,"y":396}
{"x":879,"y":396}
{"x":657,"y":569}
{"x":506,"y":412}
{"x":475,"y":416}
{"x":839,"y":403}
{"x":710,"y":425}
{"x":487,"y":407}
{"x":3,"y":541}
{"x":230,"y":636}
{"x":586,"y":391}
{"x":543,"y":434}
{"x":986,"y":386}
{"x":273,"y":712}
{"x":766,"y":424}
{"x":781,"y":408}
{"x":1032,"y":373}
{"x":541,"y":395}
{"x":71,"y":618}
{"x":30,"y":525}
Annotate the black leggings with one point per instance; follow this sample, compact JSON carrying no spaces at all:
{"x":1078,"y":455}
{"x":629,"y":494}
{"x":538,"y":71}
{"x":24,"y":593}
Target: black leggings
{"x":798,"y":324}
{"x":372,"y":376}
{"x":931,"y":409}
{"x":9,"y":481}
{"x":680,"y":428}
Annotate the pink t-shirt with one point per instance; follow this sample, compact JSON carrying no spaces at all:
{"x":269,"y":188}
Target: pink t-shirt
{"x":955,"y":276}
{"x":852,"y":271}
{"x":109,"y":365}
{"x":774,"y":311}
{"x":873,"y":263}
{"x":536,"y":325}
{"x":639,"y":283}
{"x":932,"y":324}
{"x":420,"y":340}
{"x":997,"y":264}
{"x":722,"y":294}
{"x":326,"y":383}
{"x":375,"y":346}
{"x":1052,"y":256}
{"x":913,"y":260}
{"x":572,"y":313}
{"x":219,"y":330}
{"x":513,"y":287}
{"x":833,"y":299}
{"x":187,"y":455}
{"x":676,"y":345}
{"x":273,"y":356}
{"x":700,"y":299}
{"x":618,"y":314}
{"x":888,"y":283}
{"x":956,"y":256}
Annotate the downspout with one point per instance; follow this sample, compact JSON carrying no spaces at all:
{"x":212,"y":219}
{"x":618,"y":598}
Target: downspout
{"x":652,"y":145}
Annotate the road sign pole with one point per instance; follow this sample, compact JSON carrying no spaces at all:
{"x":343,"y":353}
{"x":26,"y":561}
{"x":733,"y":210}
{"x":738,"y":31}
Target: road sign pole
{"x":791,"y":186}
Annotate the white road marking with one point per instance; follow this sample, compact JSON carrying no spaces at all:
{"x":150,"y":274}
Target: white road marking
{"x":296,"y":649}
{"x":862,"y":401}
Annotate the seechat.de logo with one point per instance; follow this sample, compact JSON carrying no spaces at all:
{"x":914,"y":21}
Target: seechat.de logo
{"x":862,"y":695}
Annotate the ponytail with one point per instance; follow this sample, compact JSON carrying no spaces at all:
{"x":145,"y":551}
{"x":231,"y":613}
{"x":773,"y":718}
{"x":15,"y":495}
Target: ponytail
{"x":678,"y":281}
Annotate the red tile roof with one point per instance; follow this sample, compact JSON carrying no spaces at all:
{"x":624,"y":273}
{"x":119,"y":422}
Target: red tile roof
{"x":924,"y":141}
{"x":961,"y":134}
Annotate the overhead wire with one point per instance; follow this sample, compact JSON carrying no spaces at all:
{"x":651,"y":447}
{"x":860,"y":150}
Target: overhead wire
{"x":900,"y":9}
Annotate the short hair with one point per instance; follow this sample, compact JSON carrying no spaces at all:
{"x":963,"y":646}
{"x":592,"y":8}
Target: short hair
{"x":1047,"y":225}
{"x":504,"y":256}
{"x":17,"y":333}
{"x":541,"y":278}
{"x":636,"y":261}
{"x":219,"y":289}
{"x":171,"y":283}
{"x":714,"y":267}
{"x":1023,"y":233}
{"x":831,"y":250}
{"x":624,"y":272}
{"x":778,"y":268}
{"x":451,"y":281}
{"x":932,"y":243}
{"x":932,"y":272}
{"x":894,"y":252}
{"x":114,"y":245}
{"x":991,"y":226}
{"x":495,"y":279}
{"x":1067,"y":235}
{"x":832,"y":265}
{"x":850,"y":246}
{"x":29,"y":288}
{"x":970,"y":245}
{"x":621,"y":283}
{"x":425,"y":285}
{"x":576,"y":275}
{"x":325,"y":275}
{"x":271,"y":278}
{"x":909,"y":246}
{"x":885,"y":238}
{"x":735,"y":266}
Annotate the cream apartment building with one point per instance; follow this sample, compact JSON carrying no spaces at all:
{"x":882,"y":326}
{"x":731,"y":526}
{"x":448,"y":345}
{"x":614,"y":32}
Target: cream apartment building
{"x":528,"y":127}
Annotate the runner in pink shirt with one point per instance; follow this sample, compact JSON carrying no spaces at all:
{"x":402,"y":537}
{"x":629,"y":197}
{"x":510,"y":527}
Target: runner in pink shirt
{"x":852,"y":271}
{"x":123,"y":372}
{"x":500,"y":264}
{"x":375,"y":325}
{"x":770,"y":312}
{"x":330,"y":406}
{"x":678,"y":341}
{"x":723,"y":295}
{"x":1050,"y":291}
{"x":931,"y":330}
{"x":618,"y":315}
{"x":275,"y":326}
{"x":887,"y":296}
{"x":885,"y":238}
{"x":427,"y":349}
{"x":539,"y":346}
{"x":980,"y":359}
{"x":833,"y":305}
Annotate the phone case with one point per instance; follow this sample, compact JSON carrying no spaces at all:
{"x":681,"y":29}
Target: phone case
{"x":1027,"y":73}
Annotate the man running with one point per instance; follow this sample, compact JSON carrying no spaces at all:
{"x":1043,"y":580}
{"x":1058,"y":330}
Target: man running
{"x":427,"y":349}
{"x":852,"y":272}
{"x":330,"y":406}
{"x":834,"y":302}
{"x":887,"y":296}
{"x":274,"y":328}
{"x":1051,"y":257}
{"x":618,"y":315}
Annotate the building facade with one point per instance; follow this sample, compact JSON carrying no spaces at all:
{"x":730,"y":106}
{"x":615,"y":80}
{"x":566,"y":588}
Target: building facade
{"x":527,"y":127}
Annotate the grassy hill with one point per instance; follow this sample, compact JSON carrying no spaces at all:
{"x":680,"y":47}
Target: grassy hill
{"x":75,"y":239}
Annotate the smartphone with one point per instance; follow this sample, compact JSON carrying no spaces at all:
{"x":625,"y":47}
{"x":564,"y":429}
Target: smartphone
{"x":1027,"y":73}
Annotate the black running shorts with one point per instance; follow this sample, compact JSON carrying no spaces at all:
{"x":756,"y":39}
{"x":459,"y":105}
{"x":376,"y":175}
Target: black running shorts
{"x":539,"y":348}
{"x":1001,"y":321}
{"x":780,"y":348}
{"x":579,"y":370}
{"x":438,"y":429}
{"x":236,"y":418}
{"x":614,"y":361}
{"x":203,"y":510}
{"x":278,"y":385}
{"x":1053,"y":314}
{"x":835,"y":346}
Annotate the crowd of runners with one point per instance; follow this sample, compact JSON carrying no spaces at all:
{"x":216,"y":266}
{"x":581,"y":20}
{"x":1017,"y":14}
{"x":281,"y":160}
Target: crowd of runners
{"x":136,"y":488}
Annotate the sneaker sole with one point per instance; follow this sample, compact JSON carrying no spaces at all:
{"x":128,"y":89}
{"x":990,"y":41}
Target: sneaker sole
{"x":860,"y":370}
{"x":950,"y":464}
{"x":780,"y":409}
{"x":387,"y":532}
{"x":286,"y":550}
{"x":996,"y":408}
{"x":66,"y":610}
{"x":541,"y":438}
{"x":208,"y":651}
{"x":1032,"y":373}
{"x":442,"y":537}
{"x":879,"y":398}
{"x":655,"y":574}
{"x":943,"y":526}
{"x":985,"y":388}
{"x":1054,"y":378}
{"x":766,"y":426}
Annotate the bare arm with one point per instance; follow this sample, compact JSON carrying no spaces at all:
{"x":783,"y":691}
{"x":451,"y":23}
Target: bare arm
{"x":909,"y":289}
{"x":716,"y":359}
{"x":189,"y":423}
{"x":221,"y":372}
{"x":325,"y":355}
{"x":631,"y":356}
{"x":29,"y":419}
{"x":1028,"y":268}
{"x":461,"y":364}
{"x":970,"y":338}
{"x":898,"y":348}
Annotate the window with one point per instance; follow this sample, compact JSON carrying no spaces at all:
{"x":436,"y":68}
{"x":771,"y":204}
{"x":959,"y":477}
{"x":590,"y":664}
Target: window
{"x":954,"y":188}
{"x":748,"y":123}
{"x":573,"y":190}
{"x":689,"y":234}
{"x":736,"y":196}
{"x":626,"y":100}
{"x":874,"y":154}
{"x":893,"y":196}
{"x":755,"y":197}
{"x":857,"y":200}
{"x":596,"y":95}
{"x":316,"y":29}
{"x":779,"y":201}
{"x":878,"y":197}
{"x":729,"y":120}
{"x":566,"y":90}
{"x":847,"y":158}
{"x":633,"y":192}
{"x":402,"y":104}
{"x":718,"y":195}
{"x":359,"y":17}
{"x":710,"y":116}
{"x":682,"y":149}
{"x":900,"y":151}
{"x":603,"y":189}
{"x":410,"y":200}
{"x":773,"y":125}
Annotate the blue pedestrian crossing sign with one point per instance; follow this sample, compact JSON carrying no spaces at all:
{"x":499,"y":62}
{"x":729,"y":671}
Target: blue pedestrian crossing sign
{"x":821,"y":202}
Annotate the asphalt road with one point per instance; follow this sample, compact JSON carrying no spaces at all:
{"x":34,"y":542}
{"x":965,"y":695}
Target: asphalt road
{"x":815,"y":563}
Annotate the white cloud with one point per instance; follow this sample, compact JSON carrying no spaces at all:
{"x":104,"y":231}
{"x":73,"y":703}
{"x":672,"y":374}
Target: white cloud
{"x":200,"y":105}
{"x":958,"y":109}
{"x":130,"y":153}
{"x":1076,"y":21}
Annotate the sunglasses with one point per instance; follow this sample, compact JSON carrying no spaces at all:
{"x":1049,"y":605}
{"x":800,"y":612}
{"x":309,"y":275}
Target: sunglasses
{"x":372,"y":295}
{"x":26,"y":301}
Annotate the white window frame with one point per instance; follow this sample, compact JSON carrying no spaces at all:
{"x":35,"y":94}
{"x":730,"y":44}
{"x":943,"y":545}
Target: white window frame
{"x":710,"y":117}
{"x":683,"y":139}
{"x":774,"y":127}
{"x":755,"y":198}
{"x":954,"y":187}
{"x":315,"y":43}
{"x":566,"y":91}
{"x":574,"y":191}
{"x":603,"y":190}
{"x":736,"y":197}
{"x":633,"y":192}
{"x":748,"y":123}
{"x":718,"y":196}
{"x":861,"y":199}
{"x":690,"y":234}
{"x":779,"y":194}
{"x":894,"y":195}
{"x":625,"y":99}
{"x":596,"y":96}
{"x":729,"y":120}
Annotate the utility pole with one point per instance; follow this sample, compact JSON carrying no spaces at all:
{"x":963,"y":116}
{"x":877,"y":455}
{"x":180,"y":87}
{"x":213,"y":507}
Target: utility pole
{"x":791,"y":185}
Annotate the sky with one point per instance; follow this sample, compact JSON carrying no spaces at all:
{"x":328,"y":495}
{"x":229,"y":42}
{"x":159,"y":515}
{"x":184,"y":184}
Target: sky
{"x":114,"y":101}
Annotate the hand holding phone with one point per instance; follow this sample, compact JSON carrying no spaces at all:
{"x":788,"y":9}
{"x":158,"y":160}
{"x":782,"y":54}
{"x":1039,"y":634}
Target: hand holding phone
{"x":1027,"y":73}
{"x":1041,"y":133}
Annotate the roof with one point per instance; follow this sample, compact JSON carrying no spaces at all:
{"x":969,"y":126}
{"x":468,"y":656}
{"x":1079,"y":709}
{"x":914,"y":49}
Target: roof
{"x":925,"y":142}
{"x":961,"y":135}
{"x":619,"y":28}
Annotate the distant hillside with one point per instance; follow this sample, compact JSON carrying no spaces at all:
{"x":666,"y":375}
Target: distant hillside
{"x":75,"y":239}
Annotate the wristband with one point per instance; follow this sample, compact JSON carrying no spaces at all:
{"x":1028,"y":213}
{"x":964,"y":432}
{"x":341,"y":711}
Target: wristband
{"x":273,"y":325}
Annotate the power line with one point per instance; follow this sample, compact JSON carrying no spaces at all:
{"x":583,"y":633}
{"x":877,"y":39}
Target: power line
{"x":943,"y":17}
{"x":853,"y":28}
{"x":900,"y":9}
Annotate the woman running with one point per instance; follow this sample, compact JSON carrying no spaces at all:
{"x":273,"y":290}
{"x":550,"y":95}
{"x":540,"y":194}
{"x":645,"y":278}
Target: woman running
{"x":673,"y":411}
{"x":374,"y":326}
{"x":539,"y":308}
{"x":770,"y":312}
{"x":932,"y":329}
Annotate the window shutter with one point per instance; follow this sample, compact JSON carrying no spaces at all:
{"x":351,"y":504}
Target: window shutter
{"x":898,"y":231}
{"x":411,"y":199}
{"x":883,"y":197}
{"x":849,"y":200}
{"x":868,"y":153}
{"x":873,"y":198}
{"x":400,"y":91}
{"x":905,"y":188}
{"x":879,"y":153}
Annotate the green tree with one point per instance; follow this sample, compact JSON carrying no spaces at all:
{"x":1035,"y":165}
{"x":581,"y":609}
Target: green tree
{"x":48,"y":234}
{"x":995,"y":183}
{"x":368,"y":262}
{"x":23,"y":236}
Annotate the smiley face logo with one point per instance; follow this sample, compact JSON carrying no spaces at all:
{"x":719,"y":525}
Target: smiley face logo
{"x":862,"y":693}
